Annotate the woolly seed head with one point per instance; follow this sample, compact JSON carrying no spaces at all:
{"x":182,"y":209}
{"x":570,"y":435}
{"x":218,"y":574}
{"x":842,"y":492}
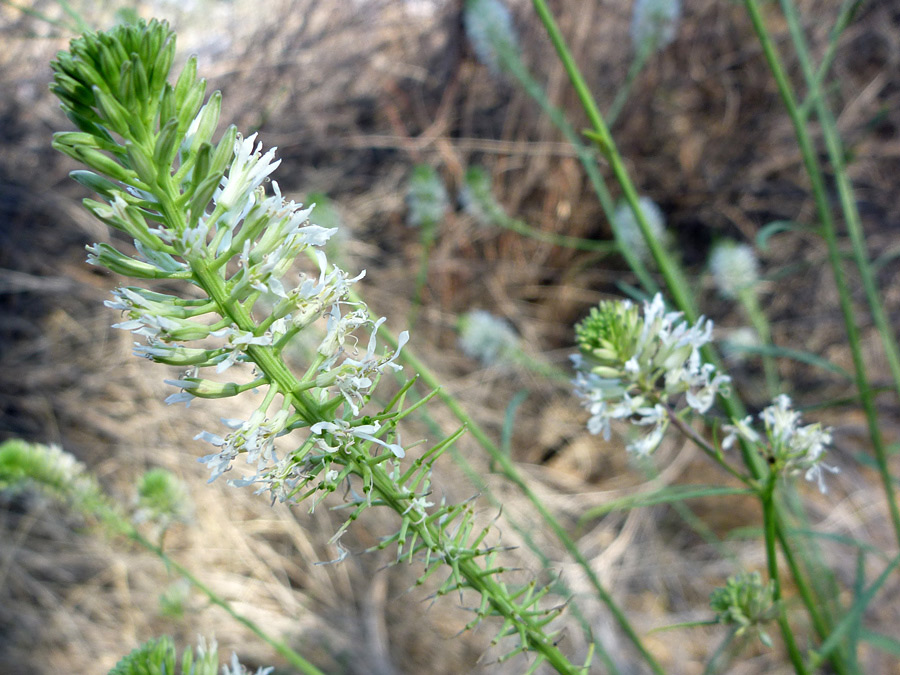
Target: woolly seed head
{"x":734,"y":268}
{"x":654,"y":24}
{"x":492,"y":35}
{"x":426,"y":197}
{"x":630,"y":231}
{"x":486,"y":337}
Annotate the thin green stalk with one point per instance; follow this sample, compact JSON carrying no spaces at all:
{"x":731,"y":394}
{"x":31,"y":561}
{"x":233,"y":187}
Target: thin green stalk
{"x":429,"y":233}
{"x":829,"y":230}
{"x":770,"y":518}
{"x":637,"y":65}
{"x":668,"y":266}
{"x":562,"y":240}
{"x":518,"y":70}
{"x":845,"y":193}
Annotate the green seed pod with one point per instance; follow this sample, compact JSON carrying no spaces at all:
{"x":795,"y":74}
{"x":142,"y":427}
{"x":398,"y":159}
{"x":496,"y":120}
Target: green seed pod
{"x":115,"y":116}
{"x":167,"y":109}
{"x":209,"y":120}
{"x":98,"y":184}
{"x":116,"y":261}
{"x":201,"y":166}
{"x":142,"y":163}
{"x":165,"y":55}
{"x":189,"y":108}
{"x":141,"y":85}
{"x":166,"y":145}
{"x":185,"y":82}
{"x":224,"y":153}
{"x":102,"y":163}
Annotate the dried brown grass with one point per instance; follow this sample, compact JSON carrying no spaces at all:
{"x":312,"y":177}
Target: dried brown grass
{"x":354,"y":94}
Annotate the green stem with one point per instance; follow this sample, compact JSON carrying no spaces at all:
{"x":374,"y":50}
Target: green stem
{"x":829,"y":231}
{"x":770,"y":519}
{"x":750,"y":302}
{"x":586,"y":156}
{"x":562,"y":240}
{"x":668,"y":266}
{"x":860,"y":255}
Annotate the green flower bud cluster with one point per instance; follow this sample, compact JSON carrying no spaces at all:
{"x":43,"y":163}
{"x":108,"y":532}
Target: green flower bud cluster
{"x":747,"y":603}
{"x":635,"y":363}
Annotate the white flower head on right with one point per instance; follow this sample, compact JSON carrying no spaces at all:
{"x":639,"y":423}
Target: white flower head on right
{"x":636,"y":363}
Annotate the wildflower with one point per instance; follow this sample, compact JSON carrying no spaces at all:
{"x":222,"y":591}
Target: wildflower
{"x":634,"y":364}
{"x":249,"y":169}
{"x":747,"y":603}
{"x":344,"y":434}
{"x":734,"y":268}
{"x":792,"y":448}
{"x":486,"y":337}
{"x":490,"y":30}
{"x":654,"y":24}
{"x":426,"y":197}
{"x":630,"y":231}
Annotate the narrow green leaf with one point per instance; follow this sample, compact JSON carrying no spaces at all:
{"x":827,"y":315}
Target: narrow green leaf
{"x":666,"y":495}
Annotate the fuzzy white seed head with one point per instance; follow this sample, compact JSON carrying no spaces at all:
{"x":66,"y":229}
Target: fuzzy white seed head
{"x":654,"y":24}
{"x":630,"y":231}
{"x":492,"y":35}
{"x":734,"y":268}
{"x":486,"y":337}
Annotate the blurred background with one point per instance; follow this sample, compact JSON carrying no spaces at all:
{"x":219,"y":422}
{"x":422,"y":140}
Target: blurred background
{"x":355,"y":94}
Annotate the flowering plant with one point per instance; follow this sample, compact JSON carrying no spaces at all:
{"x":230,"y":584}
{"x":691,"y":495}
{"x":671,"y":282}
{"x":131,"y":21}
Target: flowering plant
{"x":200,"y":215}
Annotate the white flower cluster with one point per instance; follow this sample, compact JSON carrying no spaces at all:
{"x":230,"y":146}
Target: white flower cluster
{"x":265,"y":235}
{"x":792,"y":448}
{"x":635,"y":366}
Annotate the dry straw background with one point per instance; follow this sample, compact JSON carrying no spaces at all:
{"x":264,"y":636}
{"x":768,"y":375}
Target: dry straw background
{"x":354,"y":93}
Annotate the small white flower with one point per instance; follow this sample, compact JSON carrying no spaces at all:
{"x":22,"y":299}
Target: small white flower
{"x":345,"y":434}
{"x":248,"y":170}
